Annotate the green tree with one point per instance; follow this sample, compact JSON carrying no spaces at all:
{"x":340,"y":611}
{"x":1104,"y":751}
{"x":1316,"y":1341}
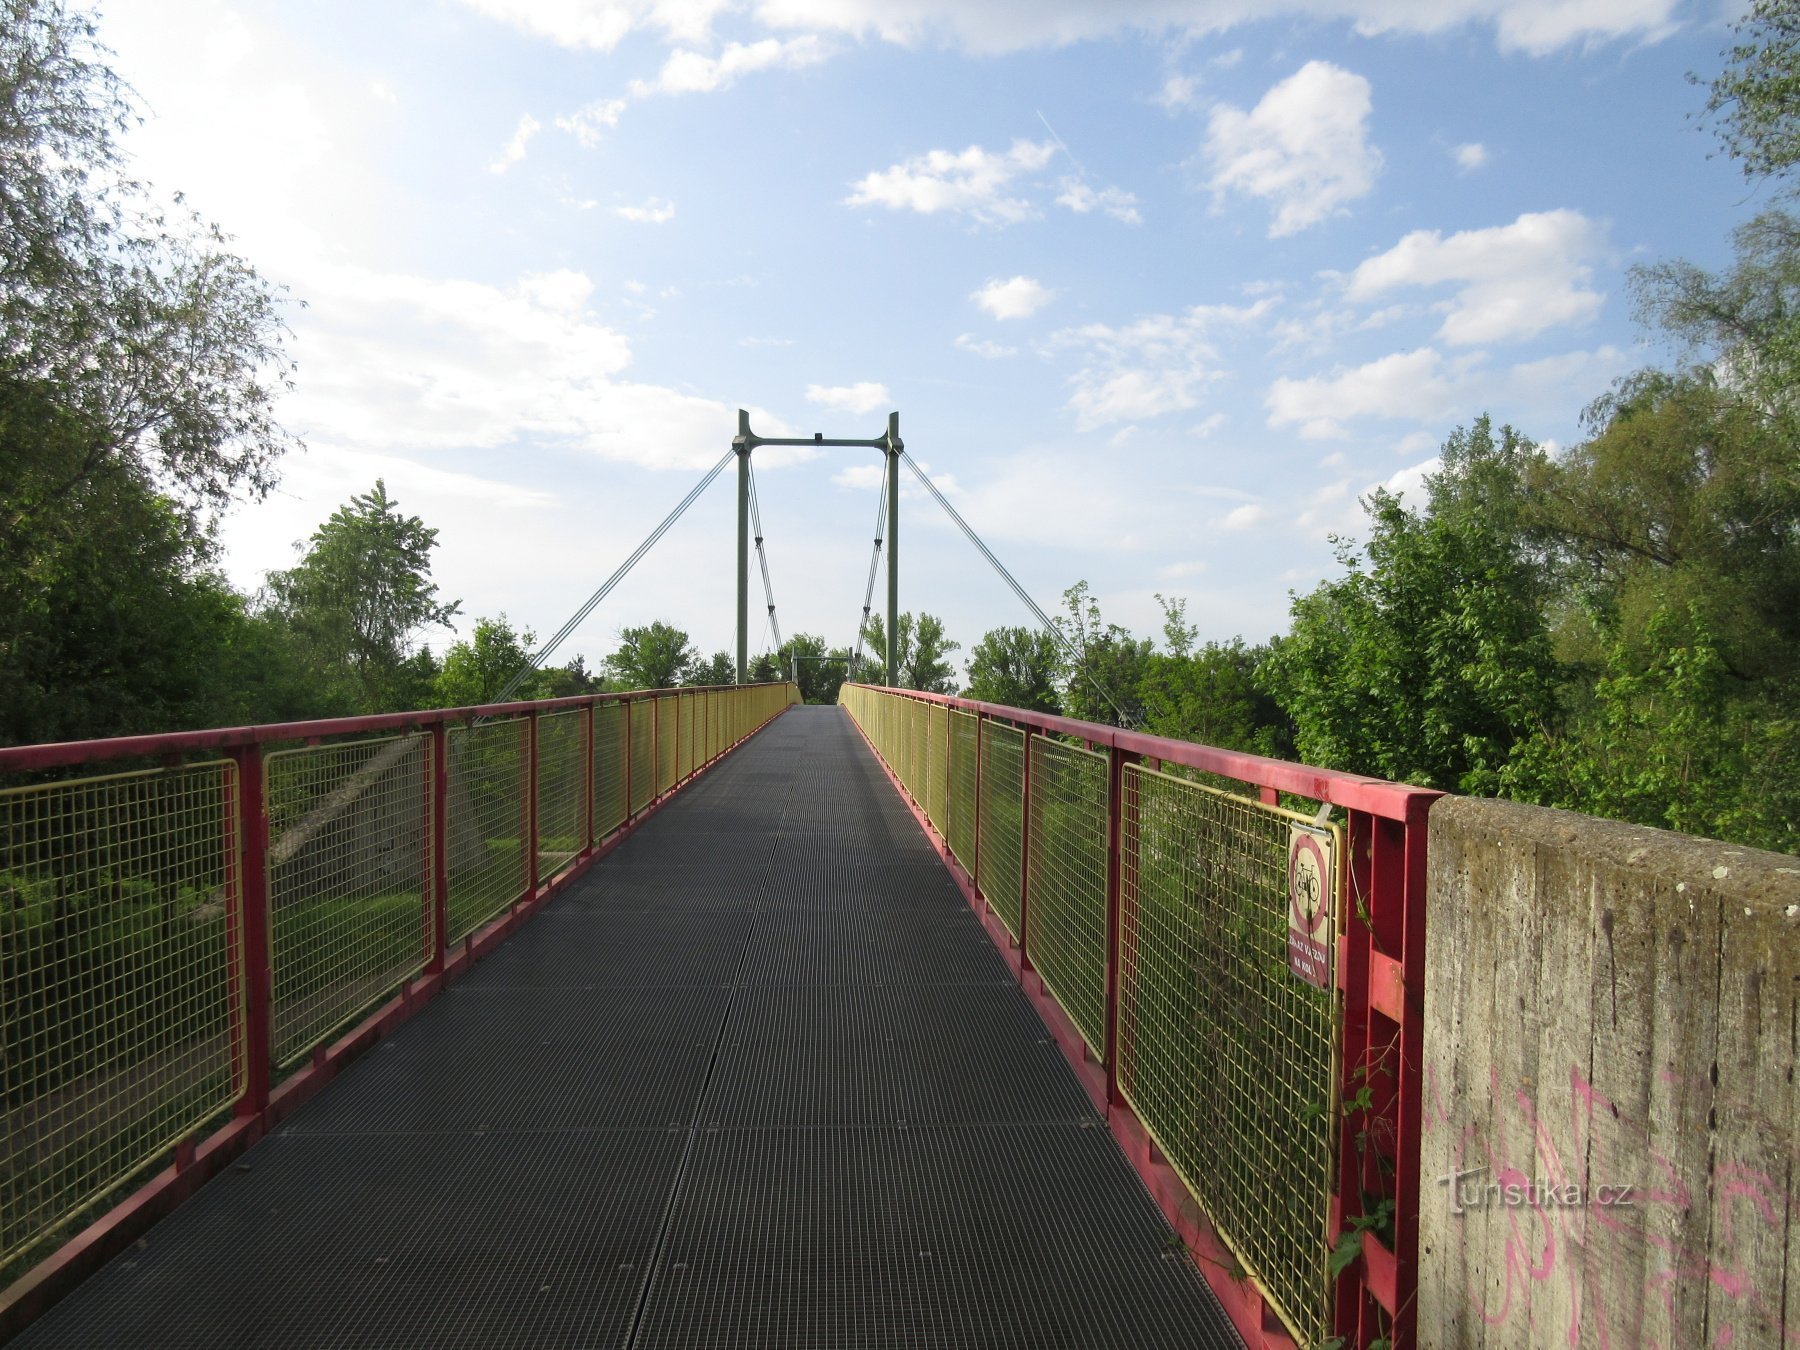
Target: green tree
{"x":360,"y":599}
{"x":1100,"y":683}
{"x":921,"y":650}
{"x":719,"y":668}
{"x":763,"y":670}
{"x":1016,"y":667}
{"x":476,"y":670}
{"x":1429,"y":661}
{"x":1756,"y":97}
{"x":1212,"y":695}
{"x":821,"y":670}
{"x":652,"y":656}
{"x":162,"y":347}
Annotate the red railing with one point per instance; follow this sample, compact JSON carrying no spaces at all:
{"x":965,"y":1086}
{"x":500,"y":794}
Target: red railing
{"x":201,"y":928}
{"x":1125,"y":889}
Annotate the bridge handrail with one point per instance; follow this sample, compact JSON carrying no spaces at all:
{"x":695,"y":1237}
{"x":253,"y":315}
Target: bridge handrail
{"x":190,"y":950}
{"x":1103,"y":780}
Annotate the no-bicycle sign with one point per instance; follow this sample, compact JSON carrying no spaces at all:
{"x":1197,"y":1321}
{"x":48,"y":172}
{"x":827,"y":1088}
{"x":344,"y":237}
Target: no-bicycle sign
{"x":1312,"y":884}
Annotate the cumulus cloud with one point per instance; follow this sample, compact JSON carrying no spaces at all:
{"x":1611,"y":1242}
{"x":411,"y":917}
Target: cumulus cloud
{"x":1013,"y":298}
{"x":691,"y":72}
{"x":974,"y":182}
{"x":1304,"y":148}
{"x":654,"y":211}
{"x":1470,"y":156}
{"x":865,"y":396}
{"x":1178,"y":92}
{"x":1424,"y":386}
{"x":991,"y":351}
{"x":600,"y":25}
{"x":515,"y":148}
{"x":1245,"y":517}
{"x":1116,"y":202}
{"x":1156,"y":364}
{"x":589,"y":124}
{"x":1512,"y":281}
{"x":996,"y":26}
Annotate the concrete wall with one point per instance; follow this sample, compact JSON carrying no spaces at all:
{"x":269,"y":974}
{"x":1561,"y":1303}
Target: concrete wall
{"x":1608,"y":1006}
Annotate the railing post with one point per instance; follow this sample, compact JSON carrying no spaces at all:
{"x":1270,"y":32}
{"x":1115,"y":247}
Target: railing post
{"x":437,"y":842}
{"x":655,"y":746}
{"x":1025,"y":858}
{"x":975,"y":845}
{"x":531,"y":804}
{"x":249,"y":901}
{"x":1116,"y":760}
{"x":589,"y":775}
{"x":625,"y":721}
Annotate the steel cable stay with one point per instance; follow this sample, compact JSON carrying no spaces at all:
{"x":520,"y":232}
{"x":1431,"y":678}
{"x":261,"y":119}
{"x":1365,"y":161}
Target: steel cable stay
{"x":544,"y":652}
{"x":862,"y":627}
{"x":762,"y":557}
{"x":1050,"y":626}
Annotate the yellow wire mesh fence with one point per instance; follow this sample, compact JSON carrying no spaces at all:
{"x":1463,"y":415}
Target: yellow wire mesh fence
{"x":349,"y":880}
{"x":487,"y":814}
{"x":1001,"y":819}
{"x":1065,"y":908}
{"x":965,"y":766}
{"x":1228,"y":1059}
{"x":116,"y":972}
{"x":562,"y":790}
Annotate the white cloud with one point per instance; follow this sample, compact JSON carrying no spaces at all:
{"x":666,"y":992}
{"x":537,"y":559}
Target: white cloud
{"x":514,"y":150}
{"x":654,"y":211}
{"x":691,"y":72}
{"x":1411,"y":384}
{"x":383,"y":92}
{"x":1304,"y":148}
{"x":995,"y":26}
{"x":1422,"y":386}
{"x":1470,"y":156}
{"x":600,"y":25}
{"x":1154,"y":365}
{"x":1207,"y":425}
{"x":1116,"y":202}
{"x":589,"y":124}
{"x":1013,"y":298}
{"x":1513,"y":281}
{"x":1246,"y":517}
{"x":865,"y":396}
{"x":991,"y":351}
{"x":1181,"y":570}
{"x":974,"y":182}
{"x":1178,"y":92}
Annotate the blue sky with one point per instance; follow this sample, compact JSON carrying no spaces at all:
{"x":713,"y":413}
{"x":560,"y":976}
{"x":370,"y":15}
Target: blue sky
{"x":1159,"y":288}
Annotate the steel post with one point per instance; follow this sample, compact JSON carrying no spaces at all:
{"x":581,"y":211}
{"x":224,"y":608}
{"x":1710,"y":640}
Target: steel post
{"x":743,"y":544}
{"x":893,"y":551}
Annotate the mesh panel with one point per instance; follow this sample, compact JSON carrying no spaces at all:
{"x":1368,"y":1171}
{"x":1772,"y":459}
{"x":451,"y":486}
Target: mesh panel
{"x":937,"y":754}
{"x":115,"y":978}
{"x":965,"y":758}
{"x":1002,"y":807}
{"x":688,"y":758}
{"x":643,"y":772}
{"x":668,"y":723}
{"x":562,"y":790}
{"x":609,"y":768}
{"x":486,"y":848}
{"x":1226,"y":1056}
{"x":349,"y":880}
{"x":1066,"y":913}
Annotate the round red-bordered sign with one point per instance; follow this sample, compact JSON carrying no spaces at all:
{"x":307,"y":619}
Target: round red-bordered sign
{"x":1307,"y":871}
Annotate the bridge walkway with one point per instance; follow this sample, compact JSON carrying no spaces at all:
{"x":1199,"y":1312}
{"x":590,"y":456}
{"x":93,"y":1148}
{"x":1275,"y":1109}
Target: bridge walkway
{"x":758,"y":1079}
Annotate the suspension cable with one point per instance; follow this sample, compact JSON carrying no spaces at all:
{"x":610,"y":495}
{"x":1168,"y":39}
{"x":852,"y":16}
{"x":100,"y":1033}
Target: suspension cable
{"x":1076,"y":660}
{"x":543,"y":653}
{"x":762,"y":557}
{"x":874,"y":563}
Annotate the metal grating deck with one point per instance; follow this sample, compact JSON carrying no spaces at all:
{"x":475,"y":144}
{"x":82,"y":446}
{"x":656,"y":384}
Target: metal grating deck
{"x":757,"y":1080}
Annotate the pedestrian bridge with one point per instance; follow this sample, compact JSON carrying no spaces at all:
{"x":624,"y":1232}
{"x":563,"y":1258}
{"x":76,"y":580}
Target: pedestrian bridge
{"x":703,"y":1018}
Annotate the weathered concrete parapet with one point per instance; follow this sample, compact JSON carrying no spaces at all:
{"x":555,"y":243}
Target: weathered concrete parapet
{"x":1607,"y":1006}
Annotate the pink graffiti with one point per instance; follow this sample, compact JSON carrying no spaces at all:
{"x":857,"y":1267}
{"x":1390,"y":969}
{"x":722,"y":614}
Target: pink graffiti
{"x":1578,"y":1244}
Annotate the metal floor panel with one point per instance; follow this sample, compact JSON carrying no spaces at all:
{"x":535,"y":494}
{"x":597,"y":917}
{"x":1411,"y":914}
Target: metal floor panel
{"x":735,"y":1087}
{"x":1033,"y":1237}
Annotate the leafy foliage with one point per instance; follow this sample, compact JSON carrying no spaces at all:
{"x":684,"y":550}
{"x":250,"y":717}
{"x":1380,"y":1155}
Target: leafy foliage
{"x":653,"y":656}
{"x":361,"y":597}
{"x":1016,"y":667}
{"x":921,"y":647}
{"x":1757,"y":95}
